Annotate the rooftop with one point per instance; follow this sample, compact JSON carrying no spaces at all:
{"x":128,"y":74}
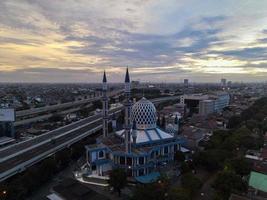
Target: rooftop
{"x":258,"y":181}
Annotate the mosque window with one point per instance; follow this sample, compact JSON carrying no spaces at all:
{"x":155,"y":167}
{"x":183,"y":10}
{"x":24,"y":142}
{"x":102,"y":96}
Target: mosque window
{"x":166,"y":150}
{"x":122,"y":160}
{"x":129,"y":161}
{"x":152,"y":154}
{"x":141,"y":172}
{"x":141,"y":160}
{"x":101,"y":154}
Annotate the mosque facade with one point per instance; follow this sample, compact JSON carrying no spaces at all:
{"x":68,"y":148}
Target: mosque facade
{"x":140,"y":147}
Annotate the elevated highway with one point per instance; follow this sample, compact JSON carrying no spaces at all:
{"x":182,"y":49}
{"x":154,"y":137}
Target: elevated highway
{"x":17,"y":157}
{"x":36,"y":111}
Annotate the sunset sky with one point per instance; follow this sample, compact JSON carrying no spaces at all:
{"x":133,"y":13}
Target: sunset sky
{"x":160,"y":40}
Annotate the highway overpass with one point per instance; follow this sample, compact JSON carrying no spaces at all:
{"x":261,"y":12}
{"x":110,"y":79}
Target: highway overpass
{"x":42,"y":113}
{"x":17,"y":157}
{"x":36,"y":111}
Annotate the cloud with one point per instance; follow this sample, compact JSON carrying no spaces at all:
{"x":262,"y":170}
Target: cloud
{"x":159,"y":40}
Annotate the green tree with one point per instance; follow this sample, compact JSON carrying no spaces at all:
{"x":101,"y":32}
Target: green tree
{"x":240,"y":166}
{"x":179,"y":156}
{"x":234,"y":121}
{"x":227,"y":182}
{"x":178,"y":194}
{"x":212,"y":159}
{"x":191,"y":183}
{"x":118,"y":179}
{"x":63,"y":158}
{"x":252,"y":124}
{"x":156,"y":191}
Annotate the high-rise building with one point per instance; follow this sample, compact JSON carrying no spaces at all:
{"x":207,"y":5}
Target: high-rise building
{"x":206,"y":107}
{"x":186,"y":82}
{"x":223,"y":82}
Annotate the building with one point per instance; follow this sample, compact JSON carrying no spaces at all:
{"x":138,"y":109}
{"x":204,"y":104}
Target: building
{"x":186,"y":82}
{"x":222,"y":100}
{"x":258,"y":182}
{"x":193,"y":136}
{"x":223,"y":82}
{"x":135,"y":84}
{"x":139,"y":148}
{"x":176,"y":108}
{"x":206,"y":103}
{"x":206,"y":107}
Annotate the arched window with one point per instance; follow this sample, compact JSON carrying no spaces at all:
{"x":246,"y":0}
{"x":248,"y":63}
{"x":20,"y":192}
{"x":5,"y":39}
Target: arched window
{"x":101,"y":154}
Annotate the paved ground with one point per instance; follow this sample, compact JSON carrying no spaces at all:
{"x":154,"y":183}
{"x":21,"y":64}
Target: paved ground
{"x":206,"y":192}
{"x":45,"y":189}
{"x":67,"y":173}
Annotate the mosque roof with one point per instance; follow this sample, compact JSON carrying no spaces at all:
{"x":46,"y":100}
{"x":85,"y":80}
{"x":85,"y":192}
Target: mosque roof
{"x":148,"y":135}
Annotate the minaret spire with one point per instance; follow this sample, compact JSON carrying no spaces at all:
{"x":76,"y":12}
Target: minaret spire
{"x":105,"y":105}
{"x":104,"y":77}
{"x":127,"y":106}
{"x":127,"y":77}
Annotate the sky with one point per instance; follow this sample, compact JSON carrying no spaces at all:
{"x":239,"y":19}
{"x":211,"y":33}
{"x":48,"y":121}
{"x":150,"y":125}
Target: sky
{"x":159,"y":40}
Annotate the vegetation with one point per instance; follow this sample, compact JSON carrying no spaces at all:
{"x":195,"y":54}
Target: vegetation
{"x":225,"y":150}
{"x":161,"y":189}
{"x":191,"y":183}
{"x":118,"y":179}
{"x":179,"y":156}
{"x":227,"y":182}
{"x":149,"y":93}
{"x":179,"y":194}
{"x":156,"y":191}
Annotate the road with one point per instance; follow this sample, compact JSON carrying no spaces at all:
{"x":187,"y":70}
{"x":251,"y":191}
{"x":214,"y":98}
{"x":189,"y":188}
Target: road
{"x":18,"y":157}
{"x":34,"y":111}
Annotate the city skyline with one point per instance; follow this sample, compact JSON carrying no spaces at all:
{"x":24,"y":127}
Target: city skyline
{"x":160,"y":41}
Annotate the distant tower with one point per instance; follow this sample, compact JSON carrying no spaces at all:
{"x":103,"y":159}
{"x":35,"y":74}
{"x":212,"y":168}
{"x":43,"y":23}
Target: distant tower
{"x":127,"y":106}
{"x":223,"y":82}
{"x":105,"y":105}
{"x":186,"y":83}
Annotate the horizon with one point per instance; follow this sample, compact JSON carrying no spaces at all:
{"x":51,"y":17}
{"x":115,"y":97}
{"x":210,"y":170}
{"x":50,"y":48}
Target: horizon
{"x":161,"y":41}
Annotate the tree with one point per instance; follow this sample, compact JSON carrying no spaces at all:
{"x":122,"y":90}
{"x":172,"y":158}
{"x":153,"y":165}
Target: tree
{"x":212,"y":159}
{"x":179,"y":156}
{"x":234,"y":121}
{"x":227,"y":182}
{"x":240,"y":166}
{"x":118,"y":179}
{"x":148,"y":191}
{"x":156,"y":191}
{"x":191,"y":183}
{"x":179,"y":194}
{"x":252,"y":124}
{"x":63,"y":157}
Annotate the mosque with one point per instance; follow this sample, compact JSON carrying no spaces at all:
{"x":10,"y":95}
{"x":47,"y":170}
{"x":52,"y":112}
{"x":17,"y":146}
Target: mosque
{"x":140,"y":147}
